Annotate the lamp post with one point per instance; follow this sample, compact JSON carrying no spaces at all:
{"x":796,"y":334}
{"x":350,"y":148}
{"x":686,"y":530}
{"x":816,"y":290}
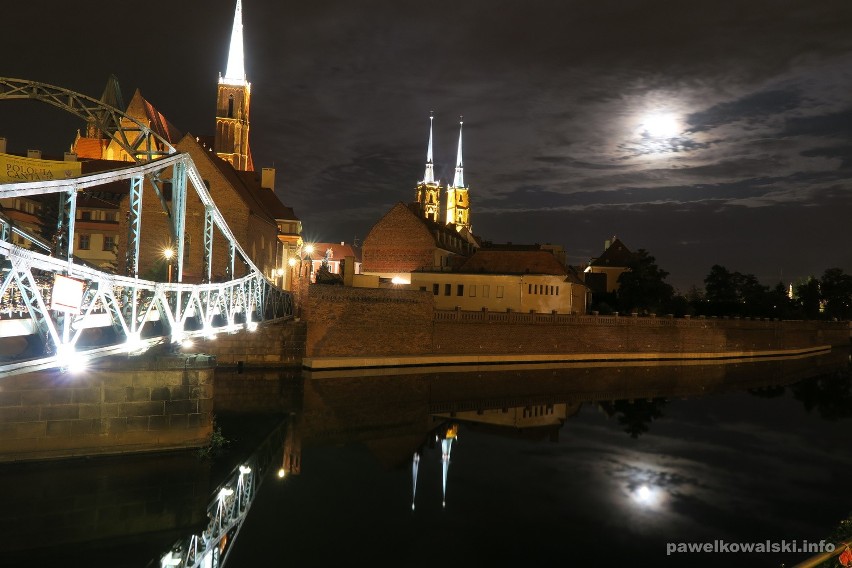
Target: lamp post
{"x":168,"y":253}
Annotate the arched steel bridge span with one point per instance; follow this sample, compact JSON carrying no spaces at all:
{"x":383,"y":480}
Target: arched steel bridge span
{"x":141,"y":312}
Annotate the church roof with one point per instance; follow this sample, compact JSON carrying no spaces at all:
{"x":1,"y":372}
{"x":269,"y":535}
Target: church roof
{"x":446,"y":236}
{"x":245,"y":187}
{"x":513,"y":262}
{"x":267,"y":197}
{"x":139,"y":107}
{"x":616,"y":255}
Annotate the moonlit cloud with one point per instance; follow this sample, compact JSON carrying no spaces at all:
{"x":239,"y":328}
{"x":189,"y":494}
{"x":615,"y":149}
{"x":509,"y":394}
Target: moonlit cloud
{"x":555,"y":95}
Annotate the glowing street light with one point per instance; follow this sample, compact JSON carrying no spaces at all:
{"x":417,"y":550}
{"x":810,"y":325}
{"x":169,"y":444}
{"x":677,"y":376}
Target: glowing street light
{"x":291,"y":262}
{"x":168,"y":253}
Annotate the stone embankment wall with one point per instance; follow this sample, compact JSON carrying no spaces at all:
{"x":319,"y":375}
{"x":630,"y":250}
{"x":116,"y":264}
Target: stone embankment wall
{"x":272,"y":344}
{"x":122,"y":405}
{"x":358,"y":322}
{"x":365,"y":321}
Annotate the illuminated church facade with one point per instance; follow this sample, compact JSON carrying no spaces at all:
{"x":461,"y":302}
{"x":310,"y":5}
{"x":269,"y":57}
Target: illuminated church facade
{"x":428,"y":191}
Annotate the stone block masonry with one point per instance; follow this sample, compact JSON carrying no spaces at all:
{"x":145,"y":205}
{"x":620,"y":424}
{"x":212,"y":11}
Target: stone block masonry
{"x":273,"y":344}
{"x":121,"y":405}
{"x":352,"y":328}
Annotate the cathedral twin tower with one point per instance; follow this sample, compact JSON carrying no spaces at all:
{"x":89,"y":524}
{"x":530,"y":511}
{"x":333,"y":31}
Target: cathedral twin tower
{"x":429,"y":190}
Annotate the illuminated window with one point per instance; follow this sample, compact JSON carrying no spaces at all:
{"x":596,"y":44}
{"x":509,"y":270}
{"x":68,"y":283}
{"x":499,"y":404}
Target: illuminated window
{"x":84,"y":242}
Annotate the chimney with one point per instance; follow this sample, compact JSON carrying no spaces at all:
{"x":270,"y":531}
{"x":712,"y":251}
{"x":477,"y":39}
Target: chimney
{"x":70,"y":157}
{"x":267,"y":178}
{"x":2,"y":145}
{"x":34,"y":154}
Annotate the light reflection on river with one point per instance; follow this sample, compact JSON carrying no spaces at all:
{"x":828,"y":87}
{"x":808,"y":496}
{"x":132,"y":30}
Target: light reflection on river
{"x":576,"y":465}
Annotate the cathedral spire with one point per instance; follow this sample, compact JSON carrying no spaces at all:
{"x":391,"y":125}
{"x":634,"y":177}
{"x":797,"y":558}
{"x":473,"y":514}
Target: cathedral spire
{"x":236,"y":72}
{"x":458,"y":180}
{"x":429,"y":176}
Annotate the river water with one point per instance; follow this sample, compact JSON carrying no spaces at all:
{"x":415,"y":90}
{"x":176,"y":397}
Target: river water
{"x":579,"y":465}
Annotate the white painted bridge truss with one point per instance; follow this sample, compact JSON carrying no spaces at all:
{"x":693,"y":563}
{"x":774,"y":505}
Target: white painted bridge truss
{"x":130,"y":305}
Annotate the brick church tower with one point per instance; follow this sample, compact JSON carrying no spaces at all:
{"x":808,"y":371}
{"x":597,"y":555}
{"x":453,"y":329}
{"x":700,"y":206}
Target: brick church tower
{"x":233,"y":102}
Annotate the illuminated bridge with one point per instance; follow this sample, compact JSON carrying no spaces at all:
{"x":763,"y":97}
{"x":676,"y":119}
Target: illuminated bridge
{"x":45,"y":293}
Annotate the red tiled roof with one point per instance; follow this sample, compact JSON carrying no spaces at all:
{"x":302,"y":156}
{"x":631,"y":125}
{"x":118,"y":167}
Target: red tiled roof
{"x":90,"y":147}
{"x":513,"y":262}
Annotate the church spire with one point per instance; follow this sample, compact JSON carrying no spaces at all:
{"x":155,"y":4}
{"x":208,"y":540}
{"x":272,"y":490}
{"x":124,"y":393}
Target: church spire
{"x":458,"y":180}
{"x":429,"y":176}
{"x":236,"y":72}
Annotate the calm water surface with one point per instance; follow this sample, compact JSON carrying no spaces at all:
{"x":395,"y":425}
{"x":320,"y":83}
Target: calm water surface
{"x":582,"y":466}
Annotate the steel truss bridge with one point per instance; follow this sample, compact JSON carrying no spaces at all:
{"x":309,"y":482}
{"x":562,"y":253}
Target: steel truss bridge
{"x":141,"y":312}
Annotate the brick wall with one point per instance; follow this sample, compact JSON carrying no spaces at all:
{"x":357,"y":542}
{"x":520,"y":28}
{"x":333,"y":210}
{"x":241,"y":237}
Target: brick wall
{"x":364,"y":321}
{"x":272,"y":344}
{"x":399,"y":242}
{"x":375,"y":322}
{"x":124,"y":405}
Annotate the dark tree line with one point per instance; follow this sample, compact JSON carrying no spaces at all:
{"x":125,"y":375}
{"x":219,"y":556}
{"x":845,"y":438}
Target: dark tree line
{"x":643,"y":289}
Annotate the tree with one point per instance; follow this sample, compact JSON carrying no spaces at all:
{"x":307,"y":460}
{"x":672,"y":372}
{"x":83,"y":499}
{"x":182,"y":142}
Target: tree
{"x":836,"y":293}
{"x":808,"y":297}
{"x":643,"y":286}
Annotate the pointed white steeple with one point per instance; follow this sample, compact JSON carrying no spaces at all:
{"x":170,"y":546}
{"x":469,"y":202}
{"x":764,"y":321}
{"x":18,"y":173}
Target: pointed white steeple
{"x":429,"y":176}
{"x":236,"y":72}
{"x":458,"y":180}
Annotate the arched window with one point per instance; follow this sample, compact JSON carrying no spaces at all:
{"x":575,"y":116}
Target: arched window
{"x":231,"y":106}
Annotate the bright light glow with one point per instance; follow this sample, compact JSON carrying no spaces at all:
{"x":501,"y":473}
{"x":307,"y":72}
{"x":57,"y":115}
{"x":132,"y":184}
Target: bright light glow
{"x":280,"y":271}
{"x":70,"y":360}
{"x":134,"y":344}
{"x":244,"y":469}
{"x":251,"y":326}
{"x":225,"y":492}
{"x":646,"y":496}
{"x":281,"y":473}
{"x":170,"y":560}
{"x":168,"y":253}
{"x":292,"y":262}
{"x":660,"y":125}
{"x":399,"y":280}
{"x":309,"y":249}
{"x":187,"y":343}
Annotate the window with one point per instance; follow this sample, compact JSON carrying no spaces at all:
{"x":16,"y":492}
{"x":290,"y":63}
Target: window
{"x":557,"y":290}
{"x":423,"y":288}
{"x":84,"y":242}
{"x":231,"y":106}
{"x":460,"y":290}
{"x":448,"y":289}
{"x":472,"y":292}
{"x":499,"y":291}
{"x":109,"y":242}
{"x":485,"y":290}
{"x":436,"y":289}
{"x":85,"y":215}
{"x":529,"y":288}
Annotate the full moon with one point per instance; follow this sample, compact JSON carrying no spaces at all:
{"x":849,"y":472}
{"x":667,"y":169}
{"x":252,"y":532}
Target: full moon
{"x":660,"y":125}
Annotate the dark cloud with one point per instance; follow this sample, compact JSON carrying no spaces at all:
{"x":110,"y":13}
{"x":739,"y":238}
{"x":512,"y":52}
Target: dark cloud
{"x":556,"y":97}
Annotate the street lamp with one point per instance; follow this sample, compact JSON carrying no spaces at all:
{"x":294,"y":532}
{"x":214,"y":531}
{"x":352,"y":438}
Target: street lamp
{"x":168,"y":253}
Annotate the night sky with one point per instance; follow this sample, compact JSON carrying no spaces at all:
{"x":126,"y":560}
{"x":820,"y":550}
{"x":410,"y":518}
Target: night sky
{"x":706,"y":133}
